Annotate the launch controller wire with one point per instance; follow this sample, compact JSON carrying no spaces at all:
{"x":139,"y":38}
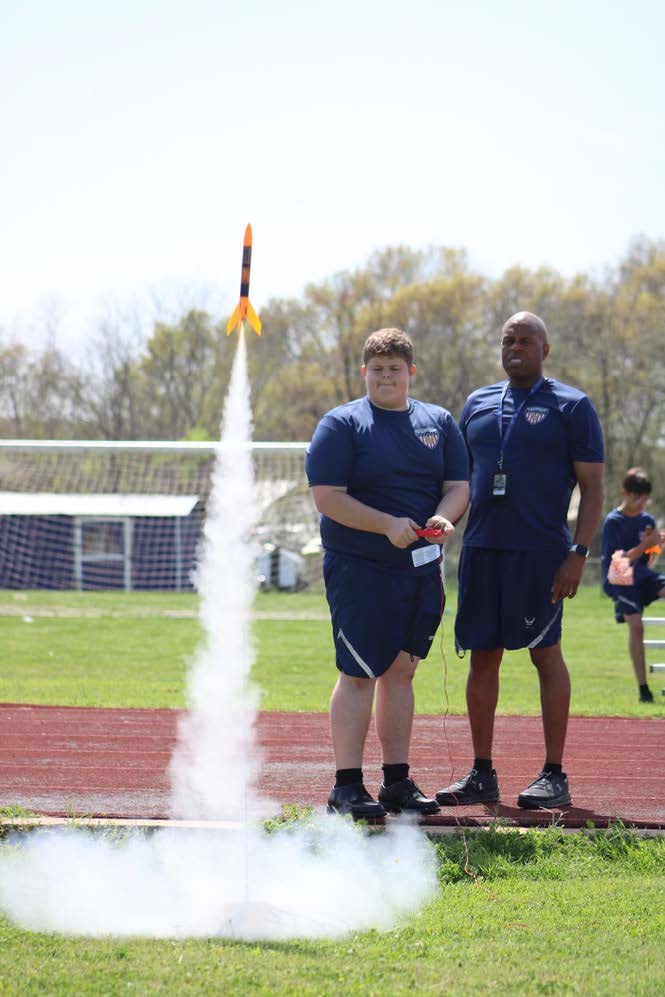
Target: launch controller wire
{"x":446,"y":698}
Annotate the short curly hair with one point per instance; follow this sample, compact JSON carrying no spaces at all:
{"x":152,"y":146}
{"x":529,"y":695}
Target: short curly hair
{"x":388,"y":343}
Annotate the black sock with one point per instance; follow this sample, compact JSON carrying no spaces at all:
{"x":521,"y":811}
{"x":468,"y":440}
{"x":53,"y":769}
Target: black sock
{"x":482,"y":764}
{"x":645,"y":688}
{"x":395,"y":773}
{"x":552,"y":767}
{"x":345,"y":777}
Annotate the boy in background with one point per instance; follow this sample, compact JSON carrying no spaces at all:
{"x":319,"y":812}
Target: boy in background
{"x":632,"y":530}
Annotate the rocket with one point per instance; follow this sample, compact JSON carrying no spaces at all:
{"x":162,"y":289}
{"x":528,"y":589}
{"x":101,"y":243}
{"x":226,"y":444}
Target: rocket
{"x":243,"y":309}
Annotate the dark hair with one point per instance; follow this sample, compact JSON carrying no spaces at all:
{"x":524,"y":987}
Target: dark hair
{"x":636,"y":482}
{"x":388,"y":343}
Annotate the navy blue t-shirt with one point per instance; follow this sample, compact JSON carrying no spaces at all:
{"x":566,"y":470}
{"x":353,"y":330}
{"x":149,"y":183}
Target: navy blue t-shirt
{"x":621,"y":532}
{"x":393,"y":461}
{"x":557,"y":425}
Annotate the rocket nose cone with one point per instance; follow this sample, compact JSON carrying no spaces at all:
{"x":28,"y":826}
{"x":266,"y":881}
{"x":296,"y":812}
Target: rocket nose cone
{"x":247,"y":241}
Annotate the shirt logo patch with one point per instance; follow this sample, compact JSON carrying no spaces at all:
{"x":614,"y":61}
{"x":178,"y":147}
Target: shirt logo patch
{"x":429,"y":437}
{"x":534,"y":415}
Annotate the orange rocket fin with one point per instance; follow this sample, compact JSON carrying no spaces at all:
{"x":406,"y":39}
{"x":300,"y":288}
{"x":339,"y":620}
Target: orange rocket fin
{"x":253,"y":318}
{"x":234,"y":321}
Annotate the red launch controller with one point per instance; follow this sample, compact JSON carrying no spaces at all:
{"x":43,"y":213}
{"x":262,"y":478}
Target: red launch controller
{"x":429,"y":532}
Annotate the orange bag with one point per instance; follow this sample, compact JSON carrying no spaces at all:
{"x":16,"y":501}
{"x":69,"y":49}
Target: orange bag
{"x":620,"y":571}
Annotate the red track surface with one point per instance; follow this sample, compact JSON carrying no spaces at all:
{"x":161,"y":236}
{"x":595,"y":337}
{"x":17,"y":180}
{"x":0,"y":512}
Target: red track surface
{"x":113,"y":763}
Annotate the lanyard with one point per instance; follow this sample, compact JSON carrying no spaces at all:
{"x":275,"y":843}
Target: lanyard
{"x":515,"y":417}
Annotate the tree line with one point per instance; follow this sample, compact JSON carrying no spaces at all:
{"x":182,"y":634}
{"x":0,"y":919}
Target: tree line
{"x":607,"y":336}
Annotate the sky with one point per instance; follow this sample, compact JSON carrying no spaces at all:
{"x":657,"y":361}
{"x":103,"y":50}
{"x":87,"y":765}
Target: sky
{"x":139,"y":138}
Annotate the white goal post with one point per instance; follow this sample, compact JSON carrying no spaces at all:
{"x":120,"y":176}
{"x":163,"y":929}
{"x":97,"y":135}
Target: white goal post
{"x":86,"y":514}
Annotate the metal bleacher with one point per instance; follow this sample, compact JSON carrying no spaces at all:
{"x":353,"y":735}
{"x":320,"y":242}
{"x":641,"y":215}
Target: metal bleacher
{"x":655,"y":621}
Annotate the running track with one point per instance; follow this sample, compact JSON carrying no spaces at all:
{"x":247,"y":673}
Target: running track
{"x":67,"y":761}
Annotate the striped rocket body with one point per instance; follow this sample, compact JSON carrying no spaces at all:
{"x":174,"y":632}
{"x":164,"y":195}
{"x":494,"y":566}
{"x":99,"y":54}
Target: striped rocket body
{"x":244,"y":311}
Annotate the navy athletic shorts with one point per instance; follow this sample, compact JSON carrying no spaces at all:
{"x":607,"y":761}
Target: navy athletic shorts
{"x":376,"y":613}
{"x":630,"y":599}
{"x":505,"y":599}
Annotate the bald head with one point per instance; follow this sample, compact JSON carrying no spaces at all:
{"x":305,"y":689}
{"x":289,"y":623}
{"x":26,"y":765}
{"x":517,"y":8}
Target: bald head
{"x":527,"y":321}
{"x":524,"y":348}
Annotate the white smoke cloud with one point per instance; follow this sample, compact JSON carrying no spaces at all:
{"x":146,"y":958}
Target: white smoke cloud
{"x":322,"y":882}
{"x":326,"y":880}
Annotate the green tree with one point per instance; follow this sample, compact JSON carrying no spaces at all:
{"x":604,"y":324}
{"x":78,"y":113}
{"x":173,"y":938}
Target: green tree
{"x":40,"y":392}
{"x":13,"y":378}
{"x":346,"y":305}
{"x":635,"y":360}
{"x":289,"y":325}
{"x":444,"y":318}
{"x":293,"y":401}
{"x":112,"y":402}
{"x":184,"y":375}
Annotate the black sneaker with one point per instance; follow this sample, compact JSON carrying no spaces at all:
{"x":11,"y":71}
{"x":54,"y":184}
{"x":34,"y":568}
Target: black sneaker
{"x":354,"y":800}
{"x":405,"y":797}
{"x":550,"y":789}
{"x":474,"y":787}
{"x":646,"y":695}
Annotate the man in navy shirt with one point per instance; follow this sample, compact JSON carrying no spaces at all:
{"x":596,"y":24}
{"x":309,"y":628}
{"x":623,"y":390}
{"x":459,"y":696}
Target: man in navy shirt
{"x":381,"y":467}
{"x":632,"y":530}
{"x":530,"y":440}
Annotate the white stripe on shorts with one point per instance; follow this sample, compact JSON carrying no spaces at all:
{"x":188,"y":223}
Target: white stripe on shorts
{"x":543,"y":633}
{"x":627,"y":602}
{"x":365,"y":667}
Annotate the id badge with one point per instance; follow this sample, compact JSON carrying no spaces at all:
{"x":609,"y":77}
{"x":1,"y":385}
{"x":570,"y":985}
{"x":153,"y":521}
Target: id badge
{"x":499,"y":484}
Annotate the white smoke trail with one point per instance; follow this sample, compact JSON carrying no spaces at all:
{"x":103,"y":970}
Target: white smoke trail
{"x":214,"y":766}
{"x":327,"y":880}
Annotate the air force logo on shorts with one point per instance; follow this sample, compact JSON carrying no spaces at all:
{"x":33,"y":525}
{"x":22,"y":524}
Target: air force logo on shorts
{"x":535,"y":415}
{"x":428,"y":437}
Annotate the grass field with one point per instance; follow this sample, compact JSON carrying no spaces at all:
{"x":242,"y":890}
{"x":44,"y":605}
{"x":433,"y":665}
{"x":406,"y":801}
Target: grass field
{"x":533,"y":913}
{"x":540,"y":913}
{"x":93,"y":649}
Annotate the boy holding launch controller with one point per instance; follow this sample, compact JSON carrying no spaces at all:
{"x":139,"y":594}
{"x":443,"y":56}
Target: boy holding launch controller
{"x":381,"y":468}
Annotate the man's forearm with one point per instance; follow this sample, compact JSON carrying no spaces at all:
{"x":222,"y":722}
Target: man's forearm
{"x":588,"y":514}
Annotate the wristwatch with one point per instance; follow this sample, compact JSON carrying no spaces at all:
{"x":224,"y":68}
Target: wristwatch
{"x":579,"y":549}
